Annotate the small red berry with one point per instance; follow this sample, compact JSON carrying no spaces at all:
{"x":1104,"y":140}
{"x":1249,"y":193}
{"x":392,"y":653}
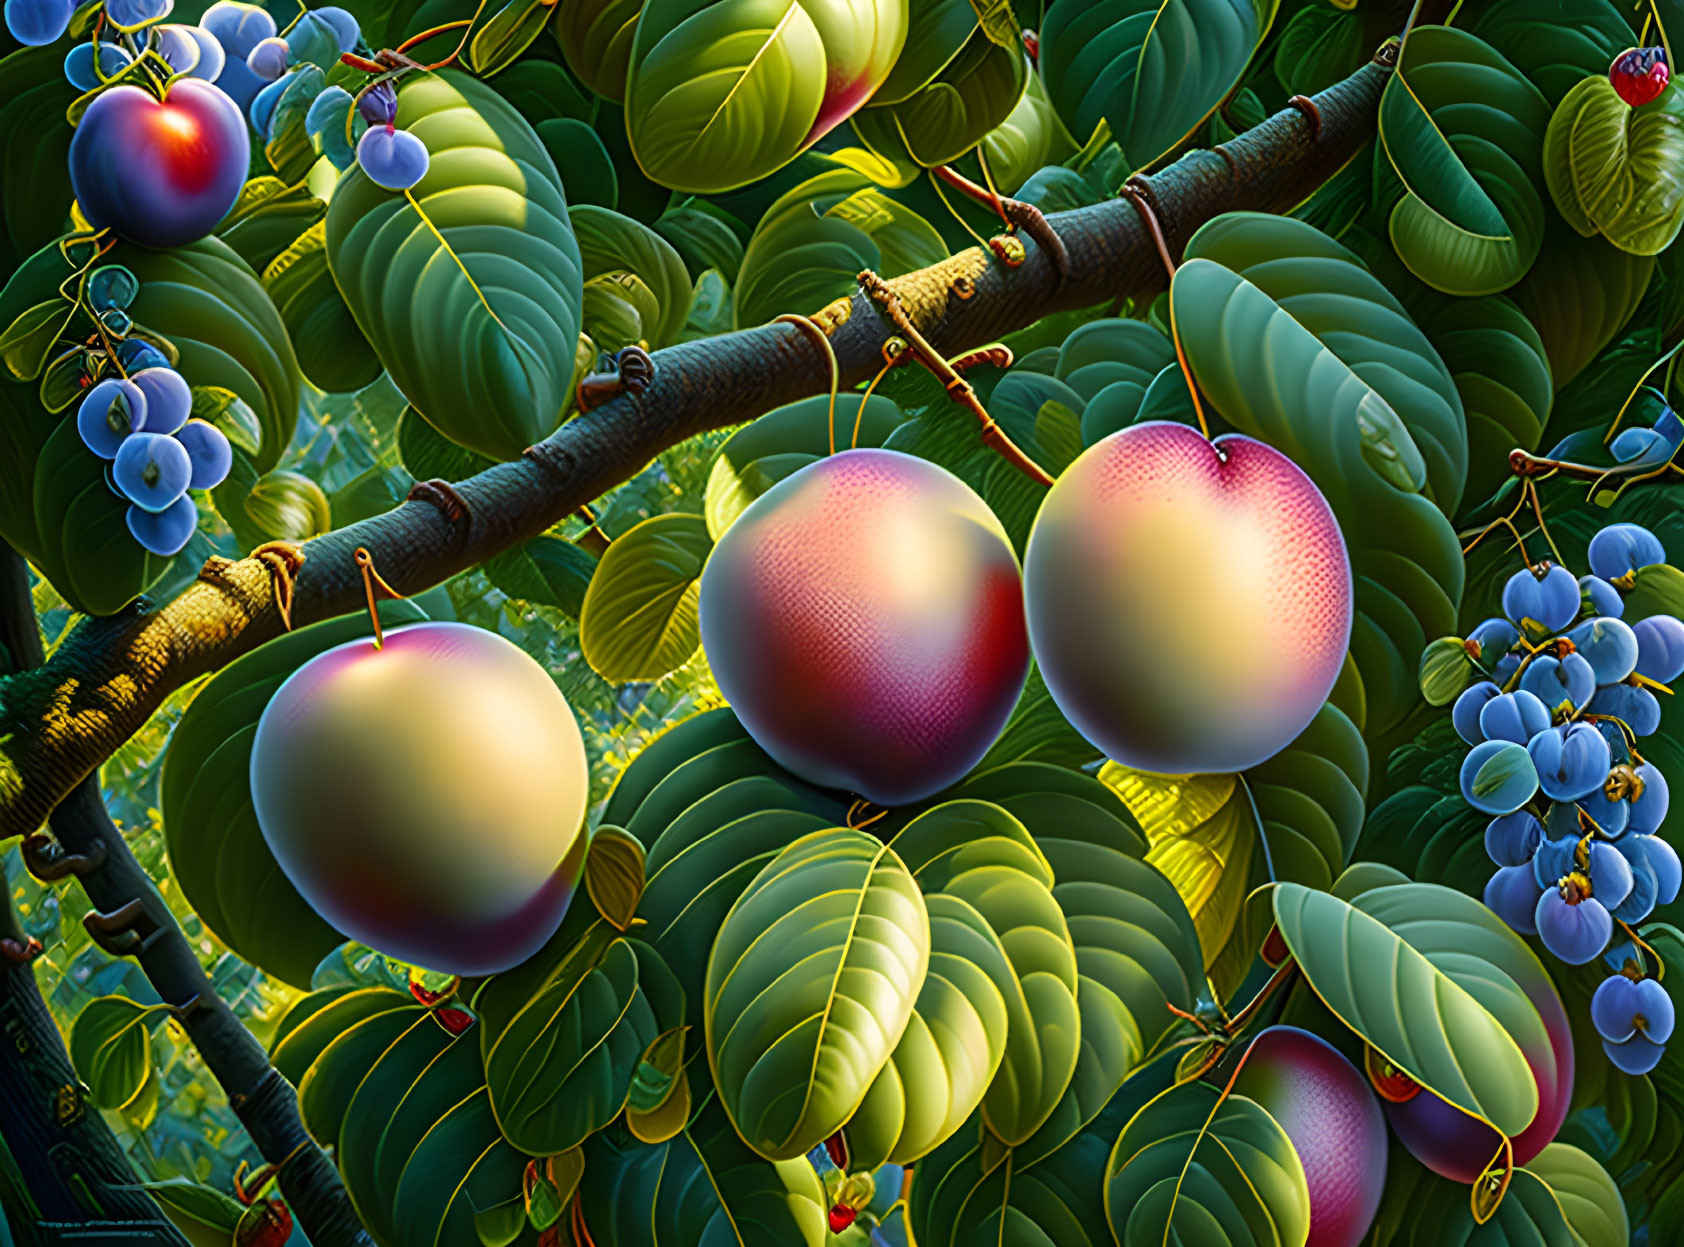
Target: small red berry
{"x":1639,"y":75}
{"x":841,"y":1217}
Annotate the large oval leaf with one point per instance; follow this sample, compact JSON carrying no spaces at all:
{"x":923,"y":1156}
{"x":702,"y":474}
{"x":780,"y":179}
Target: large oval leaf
{"x":596,"y":41}
{"x":1555,"y":43}
{"x":724,"y":92}
{"x":1582,"y":298}
{"x":1464,"y":130}
{"x":468,"y":286}
{"x":613,"y":247}
{"x":1589,"y":1197}
{"x":332,"y":351}
{"x":1618,"y":170}
{"x":811,"y":244}
{"x":1406,"y":1008}
{"x":703,"y":1186}
{"x":638,"y":621}
{"x":1296,"y":343}
{"x":1198,"y":1167}
{"x":810,"y":985}
{"x":1152,"y":70}
{"x":973,"y":95}
{"x":111,"y":1047}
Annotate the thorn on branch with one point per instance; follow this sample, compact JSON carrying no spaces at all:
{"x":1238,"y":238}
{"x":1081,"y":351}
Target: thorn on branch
{"x":1310,"y":109}
{"x":442,"y":495}
{"x":1221,"y":149}
{"x":194,"y":1004}
{"x":555,"y":461}
{"x":629,"y":371}
{"x":49,"y":861}
{"x":126,"y":931}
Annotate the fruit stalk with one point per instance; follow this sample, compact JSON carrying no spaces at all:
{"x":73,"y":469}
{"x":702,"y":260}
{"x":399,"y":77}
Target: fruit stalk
{"x":263,"y":1100}
{"x":124,"y":666}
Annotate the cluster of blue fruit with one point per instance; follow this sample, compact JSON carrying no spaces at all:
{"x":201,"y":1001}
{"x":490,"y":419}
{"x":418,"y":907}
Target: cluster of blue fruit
{"x":239,"y":48}
{"x":141,"y":422}
{"x":1555,"y":730}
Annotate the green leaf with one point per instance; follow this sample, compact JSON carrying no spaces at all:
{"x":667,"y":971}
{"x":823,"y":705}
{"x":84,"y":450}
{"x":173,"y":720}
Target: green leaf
{"x":1446,"y":668}
{"x":332,"y":351}
{"x":1617,"y":169}
{"x":197,"y":1208}
{"x":979,"y":853}
{"x":288,"y":506}
{"x":1581,"y":298}
{"x":614,"y":875}
{"x":1464,"y":130}
{"x":474,"y":307}
{"x":1406,"y":1008}
{"x":812,"y":243}
{"x":969,"y":99}
{"x":1152,"y":70}
{"x":547,"y":571}
{"x":721,"y":93}
{"x":508,"y":33}
{"x":35,"y":197}
{"x":427,"y":454}
{"x":702,"y":1186}
{"x":295,"y":1051}
{"x":563,"y":1068}
{"x":289,"y":150}
{"x":704,"y":241}
{"x":596,"y":41}
{"x":810,"y":986}
{"x":785,"y":440}
{"x":325,"y":1094}
{"x":1030,"y":138}
{"x":230,"y":413}
{"x":639,"y":621}
{"x":1555,"y":43}
{"x":1197,"y":1167}
{"x":1589,"y":1197}
{"x":1320,"y":46}
{"x":1502,"y":373}
{"x":459,"y":1166}
{"x":267,"y":218}
{"x":1294,"y":342}
{"x":29,"y":340}
{"x":111,"y":1047}
{"x":612,"y":245}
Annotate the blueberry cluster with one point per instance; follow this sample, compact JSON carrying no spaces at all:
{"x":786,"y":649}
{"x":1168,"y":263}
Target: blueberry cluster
{"x":1555,"y":730}
{"x":132,"y":27}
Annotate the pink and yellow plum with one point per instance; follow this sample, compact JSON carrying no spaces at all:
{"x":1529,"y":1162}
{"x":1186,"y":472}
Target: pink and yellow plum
{"x":864,"y":618}
{"x":161,"y":174}
{"x":427,"y":797}
{"x":1324,"y":1104}
{"x":1189,"y":601}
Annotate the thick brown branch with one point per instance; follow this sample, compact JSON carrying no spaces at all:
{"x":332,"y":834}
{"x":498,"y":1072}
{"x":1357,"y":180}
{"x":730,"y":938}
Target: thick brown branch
{"x":58,"y":724}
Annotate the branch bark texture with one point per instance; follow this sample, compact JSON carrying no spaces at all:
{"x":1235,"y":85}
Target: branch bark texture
{"x":59,"y":723}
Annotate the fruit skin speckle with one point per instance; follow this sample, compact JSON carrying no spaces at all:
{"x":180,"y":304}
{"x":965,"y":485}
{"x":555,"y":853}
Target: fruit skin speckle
{"x":865,"y":620}
{"x":160,"y":174}
{"x":1189,"y":603}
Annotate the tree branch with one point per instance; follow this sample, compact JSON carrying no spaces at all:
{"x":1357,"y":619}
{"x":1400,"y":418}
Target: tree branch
{"x":58,"y":724}
{"x":266,"y":1104}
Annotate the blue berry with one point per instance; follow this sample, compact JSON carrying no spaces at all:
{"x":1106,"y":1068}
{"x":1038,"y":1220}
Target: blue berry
{"x":137,"y":355}
{"x":112,"y":410}
{"x":1512,"y":839}
{"x":1560,"y":681}
{"x":268,"y":60}
{"x":1506,"y":666}
{"x":208,"y":451}
{"x":263,"y":104}
{"x":1637,"y":1055}
{"x":164,"y":532}
{"x":211,"y":59}
{"x":1571,"y":761}
{"x":1493,"y":637}
{"x":1660,"y":648}
{"x":379,"y":104}
{"x":35,"y":23}
{"x":1609,"y":872}
{"x":1609,"y":646}
{"x":1600,"y":597}
{"x":1669,"y":873}
{"x":237,"y":27}
{"x":1498,"y":777}
{"x":1641,"y":447}
{"x":1516,"y":717}
{"x":1648,"y":807}
{"x":1576,"y":929}
{"x":344,"y":26}
{"x":1622,"y":548}
{"x":1556,"y":859}
{"x":1640,"y":901}
{"x":133,"y":14}
{"x":1637,"y":708}
{"x":1542,"y":604}
{"x":1606,"y":815}
{"x":152,"y":470}
{"x":1622,"y":1007}
{"x":169,"y":399}
{"x":393,"y":159}
{"x":1469,"y":707}
{"x":79,"y":64}
{"x":1512,"y":894}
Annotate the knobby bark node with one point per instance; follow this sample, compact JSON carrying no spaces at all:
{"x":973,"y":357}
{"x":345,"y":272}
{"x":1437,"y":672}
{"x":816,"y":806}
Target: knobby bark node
{"x":60,"y":722}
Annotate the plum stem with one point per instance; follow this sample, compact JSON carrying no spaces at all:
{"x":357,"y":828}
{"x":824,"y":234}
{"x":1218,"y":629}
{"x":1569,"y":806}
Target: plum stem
{"x":372,"y":580}
{"x":958,"y":389}
{"x":811,"y":326}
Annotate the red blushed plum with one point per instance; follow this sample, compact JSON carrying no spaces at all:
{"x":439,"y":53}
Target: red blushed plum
{"x":1456,"y":1146}
{"x":160,"y":174}
{"x":865,"y":620}
{"x":1324,"y":1104}
{"x":426,"y":798}
{"x":1189,"y":601}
